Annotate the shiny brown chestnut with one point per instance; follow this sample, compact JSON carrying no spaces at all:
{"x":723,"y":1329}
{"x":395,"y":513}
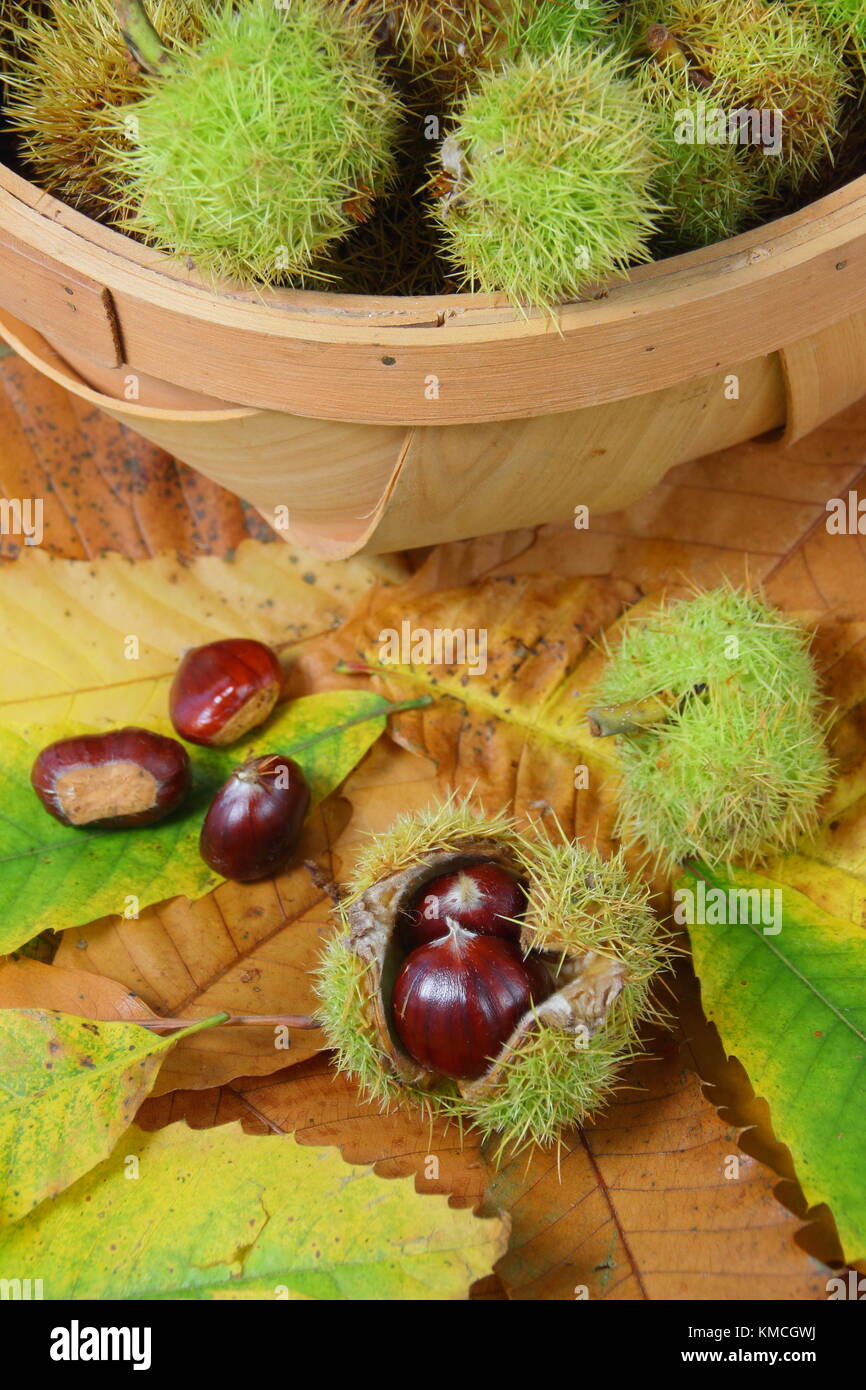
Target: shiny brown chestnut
{"x":255,"y":819}
{"x":123,"y":778}
{"x":224,"y":689}
{"x":457,"y":1000}
{"x":481,"y":897}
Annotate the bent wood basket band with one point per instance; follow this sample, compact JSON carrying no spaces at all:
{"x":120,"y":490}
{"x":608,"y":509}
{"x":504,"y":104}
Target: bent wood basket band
{"x":377,"y":423}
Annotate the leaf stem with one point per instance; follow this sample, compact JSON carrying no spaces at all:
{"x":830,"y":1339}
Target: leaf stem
{"x":362,"y":668}
{"x":388,"y":708}
{"x":420,"y":702}
{"x":231,"y":1021}
{"x":355,"y":668}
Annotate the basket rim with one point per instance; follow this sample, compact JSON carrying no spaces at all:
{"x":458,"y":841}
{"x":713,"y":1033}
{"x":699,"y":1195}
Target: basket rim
{"x":32,"y":346}
{"x":413,"y":311}
{"x":323,"y":355}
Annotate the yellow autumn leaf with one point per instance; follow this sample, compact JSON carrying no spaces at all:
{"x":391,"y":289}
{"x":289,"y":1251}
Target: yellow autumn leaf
{"x":68,"y":1089}
{"x":290,"y":1222}
{"x":98,"y":643}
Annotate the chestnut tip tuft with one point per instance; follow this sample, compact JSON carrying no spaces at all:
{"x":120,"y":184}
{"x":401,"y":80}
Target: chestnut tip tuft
{"x":481,"y":897}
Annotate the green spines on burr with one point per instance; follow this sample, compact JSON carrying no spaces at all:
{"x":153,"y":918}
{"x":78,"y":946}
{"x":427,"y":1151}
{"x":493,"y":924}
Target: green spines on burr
{"x":549,"y":165}
{"x":260,"y":145}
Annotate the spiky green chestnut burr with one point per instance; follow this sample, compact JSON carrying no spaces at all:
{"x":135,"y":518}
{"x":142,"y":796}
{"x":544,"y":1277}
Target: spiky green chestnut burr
{"x":754,"y":55}
{"x":710,"y":191}
{"x":440,"y":42}
{"x":716,"y":707}
{"x":262,"y":144}
{"x":538,"y":26}
{"x":585,"y":919}
{"x":67,"y":64}
{"x":845,"y":19}
{"x":445,"y":44}
{"x":548,"y":175}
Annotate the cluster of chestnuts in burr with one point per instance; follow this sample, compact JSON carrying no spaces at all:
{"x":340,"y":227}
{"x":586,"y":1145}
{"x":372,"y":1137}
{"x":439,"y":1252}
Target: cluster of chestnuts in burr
{"x":465,"y":984}
{"x":134,"y":777}
{"x":490,"y":973}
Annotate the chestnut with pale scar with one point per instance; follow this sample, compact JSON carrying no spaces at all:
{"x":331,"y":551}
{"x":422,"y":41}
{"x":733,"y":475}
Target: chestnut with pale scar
{"x":223,"y":689}
{"x":122,"y":778}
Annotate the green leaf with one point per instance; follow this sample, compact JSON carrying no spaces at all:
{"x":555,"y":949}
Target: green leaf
{"x":54,"y":876}
{"x":68,"y":1088}
{"x":218,"y":1214}
{"x":792,"y":1006}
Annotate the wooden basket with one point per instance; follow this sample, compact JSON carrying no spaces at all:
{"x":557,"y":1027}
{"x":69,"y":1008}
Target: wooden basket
{"x":372,"y":423}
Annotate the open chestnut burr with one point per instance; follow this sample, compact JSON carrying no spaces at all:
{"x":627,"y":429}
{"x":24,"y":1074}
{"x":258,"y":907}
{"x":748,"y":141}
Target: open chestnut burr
{"x":521,"y":1037}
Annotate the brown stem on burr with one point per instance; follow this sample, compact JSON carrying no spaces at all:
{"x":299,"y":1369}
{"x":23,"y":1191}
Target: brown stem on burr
{"x":632,"y":717}
{"x":638,"y":716}
{"x":323,"y":881}
{"x":143,"y":42}
{"x":663,"y":44}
